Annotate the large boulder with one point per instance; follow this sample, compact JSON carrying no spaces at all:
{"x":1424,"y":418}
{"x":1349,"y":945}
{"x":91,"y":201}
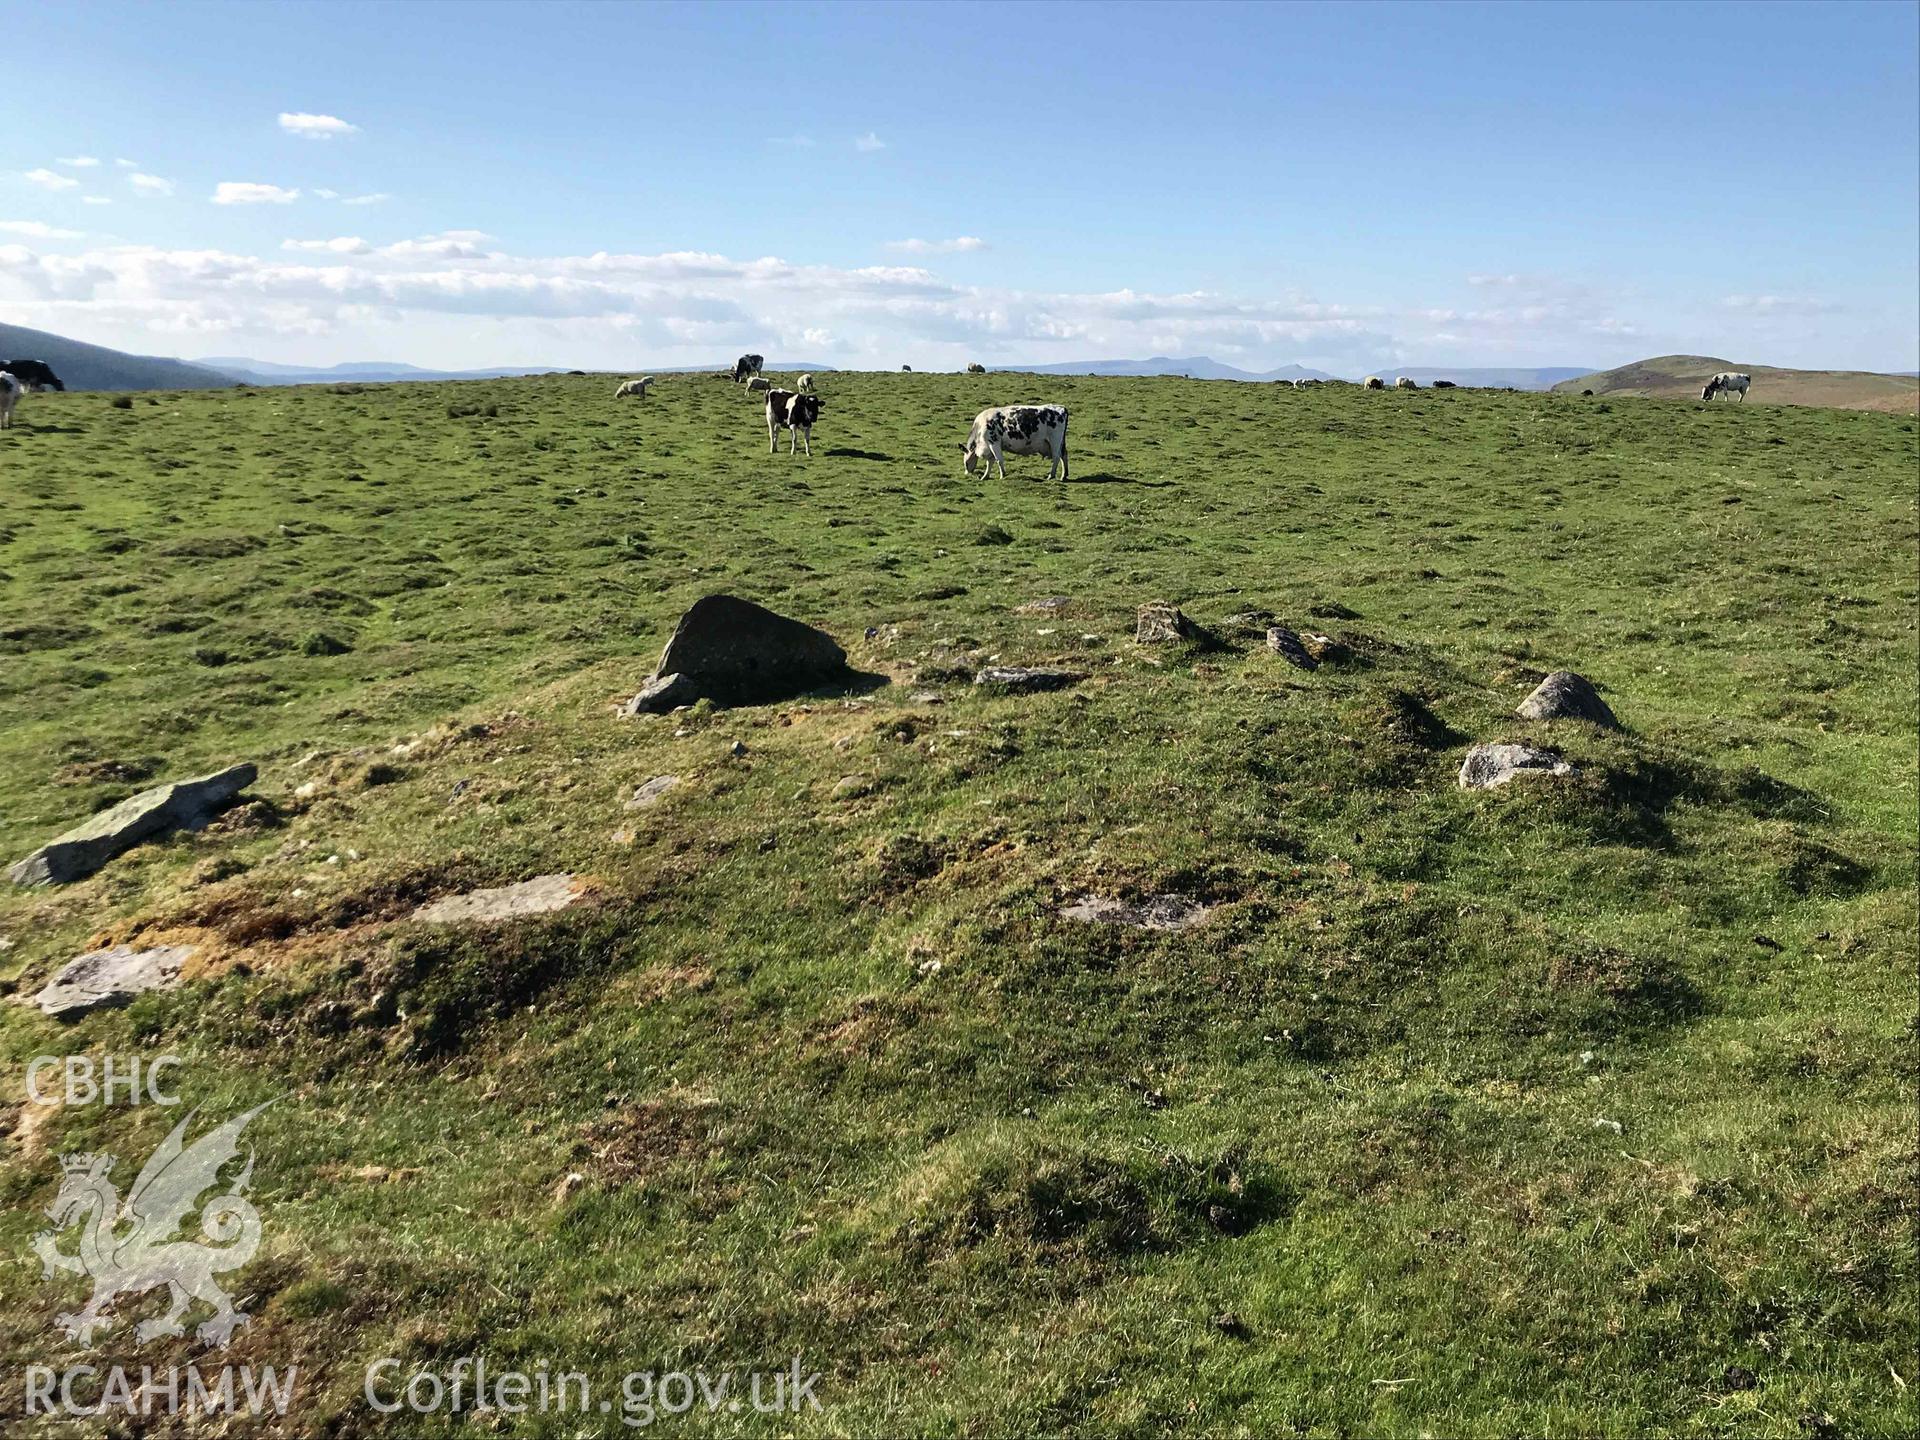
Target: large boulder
{"x":1291,"y":648}
{"x":90,"y":844}
{"x":1487,"y":767}
{"x":1160,"y":622}
{"x":1564,"y":695}
{"x":111,"y":977}
{"x":738,"y":653}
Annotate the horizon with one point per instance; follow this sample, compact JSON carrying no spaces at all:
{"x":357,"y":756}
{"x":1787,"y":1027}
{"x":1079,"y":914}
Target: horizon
{"x":1342,"y":189}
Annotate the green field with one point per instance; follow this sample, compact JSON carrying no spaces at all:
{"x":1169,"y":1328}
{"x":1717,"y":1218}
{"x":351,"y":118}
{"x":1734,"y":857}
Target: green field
{"x":1583,"y":1107}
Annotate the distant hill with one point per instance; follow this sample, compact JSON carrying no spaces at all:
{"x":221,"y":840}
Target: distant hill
{"x":267,"y":372}
{"x":1198,"y":367}
{"x":1679,"y":377}
{"x":94,"y":367}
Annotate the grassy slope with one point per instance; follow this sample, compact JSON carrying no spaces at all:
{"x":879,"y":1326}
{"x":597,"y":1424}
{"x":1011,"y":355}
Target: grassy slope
{"x":1680,"y":377}
{"x":1010,"y":1193}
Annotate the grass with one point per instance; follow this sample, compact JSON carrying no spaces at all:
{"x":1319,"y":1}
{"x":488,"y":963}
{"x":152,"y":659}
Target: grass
{"x":833,"y":1076}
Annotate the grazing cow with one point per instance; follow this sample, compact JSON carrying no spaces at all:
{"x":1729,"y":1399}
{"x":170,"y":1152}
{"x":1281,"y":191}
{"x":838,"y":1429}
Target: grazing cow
{"x":1374,"y":382}
{"x":759,"y":382}
{"x":1404,"y":383}
{"x":1017,"y":430}
{"x":976,"y":368}
{"x":34,"y":374}
{"x":1443,"y":385}
{"x":748,"y":365}
{"x":804,"y":384}
{"x":907,"y":367}
{"x":1587,"y":393}
{"x":1728,"y":380}
{"x":635,"y":388}
{"x":797,"y":413}
{"x":10,"y":392}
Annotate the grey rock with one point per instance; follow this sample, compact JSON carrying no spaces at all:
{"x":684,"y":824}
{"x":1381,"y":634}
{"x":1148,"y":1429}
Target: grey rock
{"x":1564,"y":695}
{"x":1026,"y":679}
{"x":93,"y":842}
{"x":927,"y":697}
{"x":1157,"y":912}
{"x":111,"y":977}
{"x":538,"y":896}
{"x":738,"y":653}
{"x":1290,"y":648}
{"x":663,"y":693}
{"x":1160,"y":623}
{"x":652,"y":792}
{"x":851,"y":787}
{"x":1249,"y":624}
{"x":1490,"y":766}
{"x":1046,"y":605}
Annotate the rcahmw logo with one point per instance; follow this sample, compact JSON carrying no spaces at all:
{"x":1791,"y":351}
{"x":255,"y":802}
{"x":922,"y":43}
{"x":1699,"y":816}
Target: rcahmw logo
{"x":133,"y":1247}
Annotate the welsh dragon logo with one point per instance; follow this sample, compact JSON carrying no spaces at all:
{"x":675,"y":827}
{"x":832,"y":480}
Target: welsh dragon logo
{"x":131,"y":1248}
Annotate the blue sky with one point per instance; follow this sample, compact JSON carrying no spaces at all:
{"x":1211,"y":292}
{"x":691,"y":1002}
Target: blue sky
{"x":1343,"y":185}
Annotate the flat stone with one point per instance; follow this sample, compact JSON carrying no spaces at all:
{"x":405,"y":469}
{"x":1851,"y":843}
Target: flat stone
{"x":1027,"y":679}
{"x":1564,"y":695}
{"x":111,"y":977}
{"x":538,"y":896}
{"x":1489,"y":766}
{"x":652,"y":792}
{"x":90,"y":844}
{"x":738,"y":653}
{"x":1291,"y":648}
{"x":1157,"y":912}
{"x":927,"y":697}
{"x":1047,"y":605}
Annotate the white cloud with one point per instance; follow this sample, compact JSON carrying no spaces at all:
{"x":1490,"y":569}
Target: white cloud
{"x":150,"y":184}
{"x":246,"y":192}
{"x":960,"y":244}
{"x":868,"y":143}
{"x":339,"y":245}
{"x":35,"y":230}
{"x":447,"y":245}
{"x":48,"y":180}
{"x":315,"y":127}
{"x":373,"y":199}
{"x":1780,"y":304}
{"x":126,"y":164}
{"x":78,"y":162}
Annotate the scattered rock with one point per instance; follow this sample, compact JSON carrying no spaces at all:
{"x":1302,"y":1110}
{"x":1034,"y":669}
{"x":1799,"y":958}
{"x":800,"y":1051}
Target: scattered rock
{"x":737,"y":749}
{"x":1489,"y":766}
{"x":851,"y":787}
{"x":1157,"y":912}
{"x":927,"y":697}
{"x":1160,"y":623}
{"x":1026,"y":679}
{"x":1047,"y":605}
{"x":1326,"y":649}
{"x":89,"y":845}
{"x":537,"y":896}
{"x":1249,"y":624}
{"x":652,"y":792}
{"x":737,"y":653}
{"x":1564,"y":695}
{"x":1290,"y":648}
{"x":111,"y":977}
{"x":1329,"y":610}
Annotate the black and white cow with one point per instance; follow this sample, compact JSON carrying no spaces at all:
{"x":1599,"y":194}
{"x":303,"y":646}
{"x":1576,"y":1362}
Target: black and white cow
{"x":797,"y":414}
{"x":35,"y":374}
{"x":748,"y":365}
{"x":1017,"y":430}
{"x":1728,"y":380}
{"x":10,"y":392}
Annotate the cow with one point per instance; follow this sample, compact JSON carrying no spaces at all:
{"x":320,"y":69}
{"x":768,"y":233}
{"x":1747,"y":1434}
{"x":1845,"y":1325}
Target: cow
{"x":907,"y":368}
{"x":748,"y":365}
{"x":976,"y":368}
{"x":1443,"y":385}
{"x":797,"y":413}
{"x":1728,"y":380}
{"x":635,"y":388}
{"x":758,"y":383}
{"x":10,"y":392}
{"x":1404,"y":382}
{"x":1374,"y":382}
{"x":804,"y":384}
{"x":1017,"y":430}
{"x":34,"y":374}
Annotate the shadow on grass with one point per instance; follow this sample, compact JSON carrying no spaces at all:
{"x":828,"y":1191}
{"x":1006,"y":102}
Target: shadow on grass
{"x":1105,"y":477}
{"x":850,"y":454}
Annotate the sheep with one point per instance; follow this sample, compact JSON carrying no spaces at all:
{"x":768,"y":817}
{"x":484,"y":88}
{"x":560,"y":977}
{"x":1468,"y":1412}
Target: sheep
{"x":10,"y":392}
{"x":1404,"y":382}
{"x":1374,"y":382}
{"x":976,"y":368}
{"x":758,"y":382}
{"x":637,"y":389}
{"x":804,"y":385}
